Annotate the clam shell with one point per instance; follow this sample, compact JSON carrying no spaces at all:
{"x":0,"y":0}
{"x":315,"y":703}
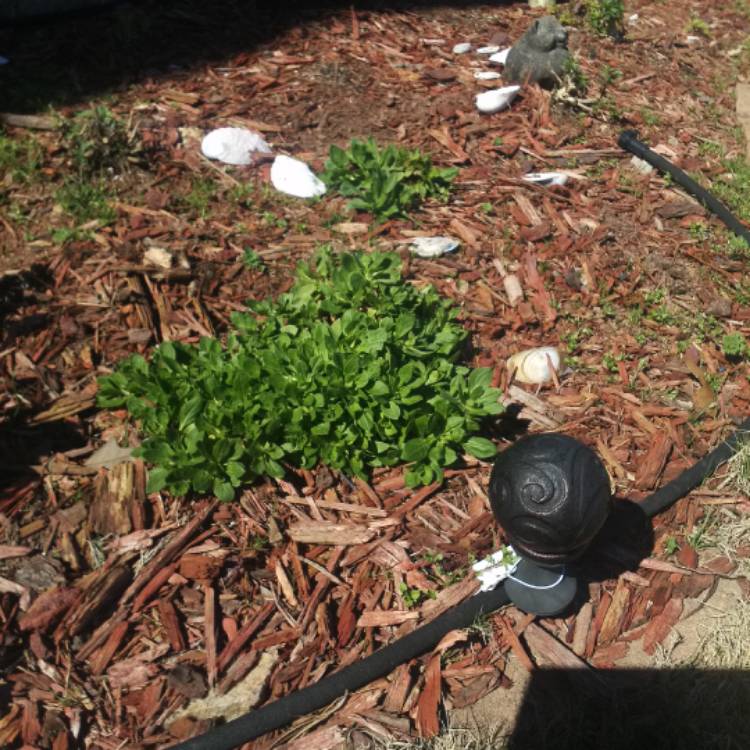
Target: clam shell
{"x":500,"y":57}
{"x":533,"y":365}
{"x":433,"y":247}
{"x":496,"y":100}
{"x":546,"y":178}
{"x":294,"y":177}
{"x":234,"y":145}
{"x":462,"y":48}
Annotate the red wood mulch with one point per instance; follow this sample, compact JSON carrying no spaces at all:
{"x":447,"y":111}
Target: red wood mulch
{"x":118,"y":608}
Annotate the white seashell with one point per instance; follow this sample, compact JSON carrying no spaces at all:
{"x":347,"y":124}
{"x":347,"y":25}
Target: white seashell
{"x":294,"y":177}
{"x":234,"y":145}
{"x":487,"y":75}
{"x":496,"y":100}
{"x":490,"y":49}
{"x":546,"y":178}
{"x":500,"y":57}
{"x":632,"y":20}
{"x":462,"y":48}
{"x":533,"y":365}
{"x":691,"y":39}
{"x":433,"y":247}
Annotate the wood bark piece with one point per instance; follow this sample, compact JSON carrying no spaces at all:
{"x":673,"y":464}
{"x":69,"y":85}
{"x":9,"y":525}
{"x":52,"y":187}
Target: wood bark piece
{"x":615,"y":613}
{"x":323,"y":532}
{"x":428,"y":723}
{"x":548,"y":651}
{"x":47,"y":607}
{"x":659,"y":628}
{"x":110,"y":510}
{"x":380,"y":619}
{"x":652,"y":465}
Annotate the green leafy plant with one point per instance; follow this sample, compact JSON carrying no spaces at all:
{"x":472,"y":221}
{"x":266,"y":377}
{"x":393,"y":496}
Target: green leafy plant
{"x":353,"y":368}
{"x":98,"y":142}
{"x":605,"y":17}
{"x":413,"y":597}
{"x":252,"y":261}
{"x":734,"y":345}
{"x":671,"y":545}
{"x":385,"y":182}
{"x":20,"y":158}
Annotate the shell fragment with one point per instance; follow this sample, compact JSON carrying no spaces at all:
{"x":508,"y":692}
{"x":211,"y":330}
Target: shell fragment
{"x":496,"y":100}
{"x":535,"y":366}
{"x":294,"y":177}
{"x":433,"y":247}
{"x":487,"y":75}
{"x":500,"y":57}
{"x":234,"y":145}
{"x":462,"y":48}
{"x":546,"y":178}
{"x":490,"y":49}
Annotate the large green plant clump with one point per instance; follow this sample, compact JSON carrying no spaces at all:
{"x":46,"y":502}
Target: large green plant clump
{"x":353,"y":368}
{"x":385,"y":182}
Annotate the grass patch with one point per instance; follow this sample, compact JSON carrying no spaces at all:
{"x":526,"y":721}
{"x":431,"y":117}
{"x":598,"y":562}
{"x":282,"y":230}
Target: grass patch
{"x":21,"y":158}
{"x":97,"y":142}
{"x":353,"y":368}
{"x":85,"y":202}
{"x":386,"y":182}
{"x":455,"y":739}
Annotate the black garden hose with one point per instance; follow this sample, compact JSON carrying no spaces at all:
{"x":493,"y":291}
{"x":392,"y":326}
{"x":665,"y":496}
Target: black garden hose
{"x":629,"y":141}
{"x":283,"y":711}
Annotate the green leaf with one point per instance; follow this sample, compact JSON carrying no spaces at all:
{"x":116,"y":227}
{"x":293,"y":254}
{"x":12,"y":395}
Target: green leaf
{"x":224,"y":491}
{"x":480,"y":447}
{"x":415,"y":450}
{"x":157,"y":480}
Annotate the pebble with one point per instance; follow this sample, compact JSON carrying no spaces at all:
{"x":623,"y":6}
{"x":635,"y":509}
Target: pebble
{"x":641,"y":166}
{"x":490,"y":49}
{"x":462,"y":48}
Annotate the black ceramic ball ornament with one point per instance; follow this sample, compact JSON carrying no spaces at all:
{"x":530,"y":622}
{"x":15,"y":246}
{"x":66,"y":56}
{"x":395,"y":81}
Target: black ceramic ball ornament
{"x":551,"y":495}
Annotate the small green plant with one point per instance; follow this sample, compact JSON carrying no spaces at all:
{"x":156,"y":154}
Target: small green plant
{"x":353,"y":368}
{"x":386,"y":182}
{"x":20,"y":158}
{"x":697,"y":538}
{"x":98,"y":142}
{"x":650,"y":117}
{"x":698,"y":26}
{"x":86,"y":201}
{"x":734,"y":345}
{"x":413,"y":597}
{"x":605,"y":17}
{"x":671,"y":545}
{"x":733,"y":187}
{"x":202,"y":192}
{"x":252,"y":261}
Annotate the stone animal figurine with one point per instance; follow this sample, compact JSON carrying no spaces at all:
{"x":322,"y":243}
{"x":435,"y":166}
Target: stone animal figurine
{"x":540,"y":55}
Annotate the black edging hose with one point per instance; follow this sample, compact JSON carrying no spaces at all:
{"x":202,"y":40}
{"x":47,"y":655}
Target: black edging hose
{"x":629,"y":141}
{"x":283,"y":711}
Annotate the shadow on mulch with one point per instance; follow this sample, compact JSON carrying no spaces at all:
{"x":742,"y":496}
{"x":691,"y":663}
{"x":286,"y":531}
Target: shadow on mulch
{"x":624,"y":709}
{"x":62,"y":60}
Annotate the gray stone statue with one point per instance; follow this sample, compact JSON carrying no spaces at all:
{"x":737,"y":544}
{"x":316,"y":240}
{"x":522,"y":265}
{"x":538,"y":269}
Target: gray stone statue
{"x":540,"y":55}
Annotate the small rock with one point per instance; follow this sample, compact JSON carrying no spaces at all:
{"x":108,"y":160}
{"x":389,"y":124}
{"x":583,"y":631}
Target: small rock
{"x":433,"y":247}
{"x":496,"y":100}
{"x":294,"y":177}
{"x":39,"y":573}
{"x":633,"y":19}
{"x":234,"y":145}
{"x":720,"y":308}
{"x":541,"y":55}
{"x":462,"y":48}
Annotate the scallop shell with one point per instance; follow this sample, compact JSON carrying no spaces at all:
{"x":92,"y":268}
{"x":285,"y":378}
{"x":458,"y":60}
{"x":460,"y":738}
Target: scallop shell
{"x":234,"y":145}
{"x":294,"y":177}
{"x":546,"y":178}
{"x":533,"y":365}
{"x":433,"y":247}
{"x":462,"y":48}
{"x":500,"y":57}
{"x":496,"y":100}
